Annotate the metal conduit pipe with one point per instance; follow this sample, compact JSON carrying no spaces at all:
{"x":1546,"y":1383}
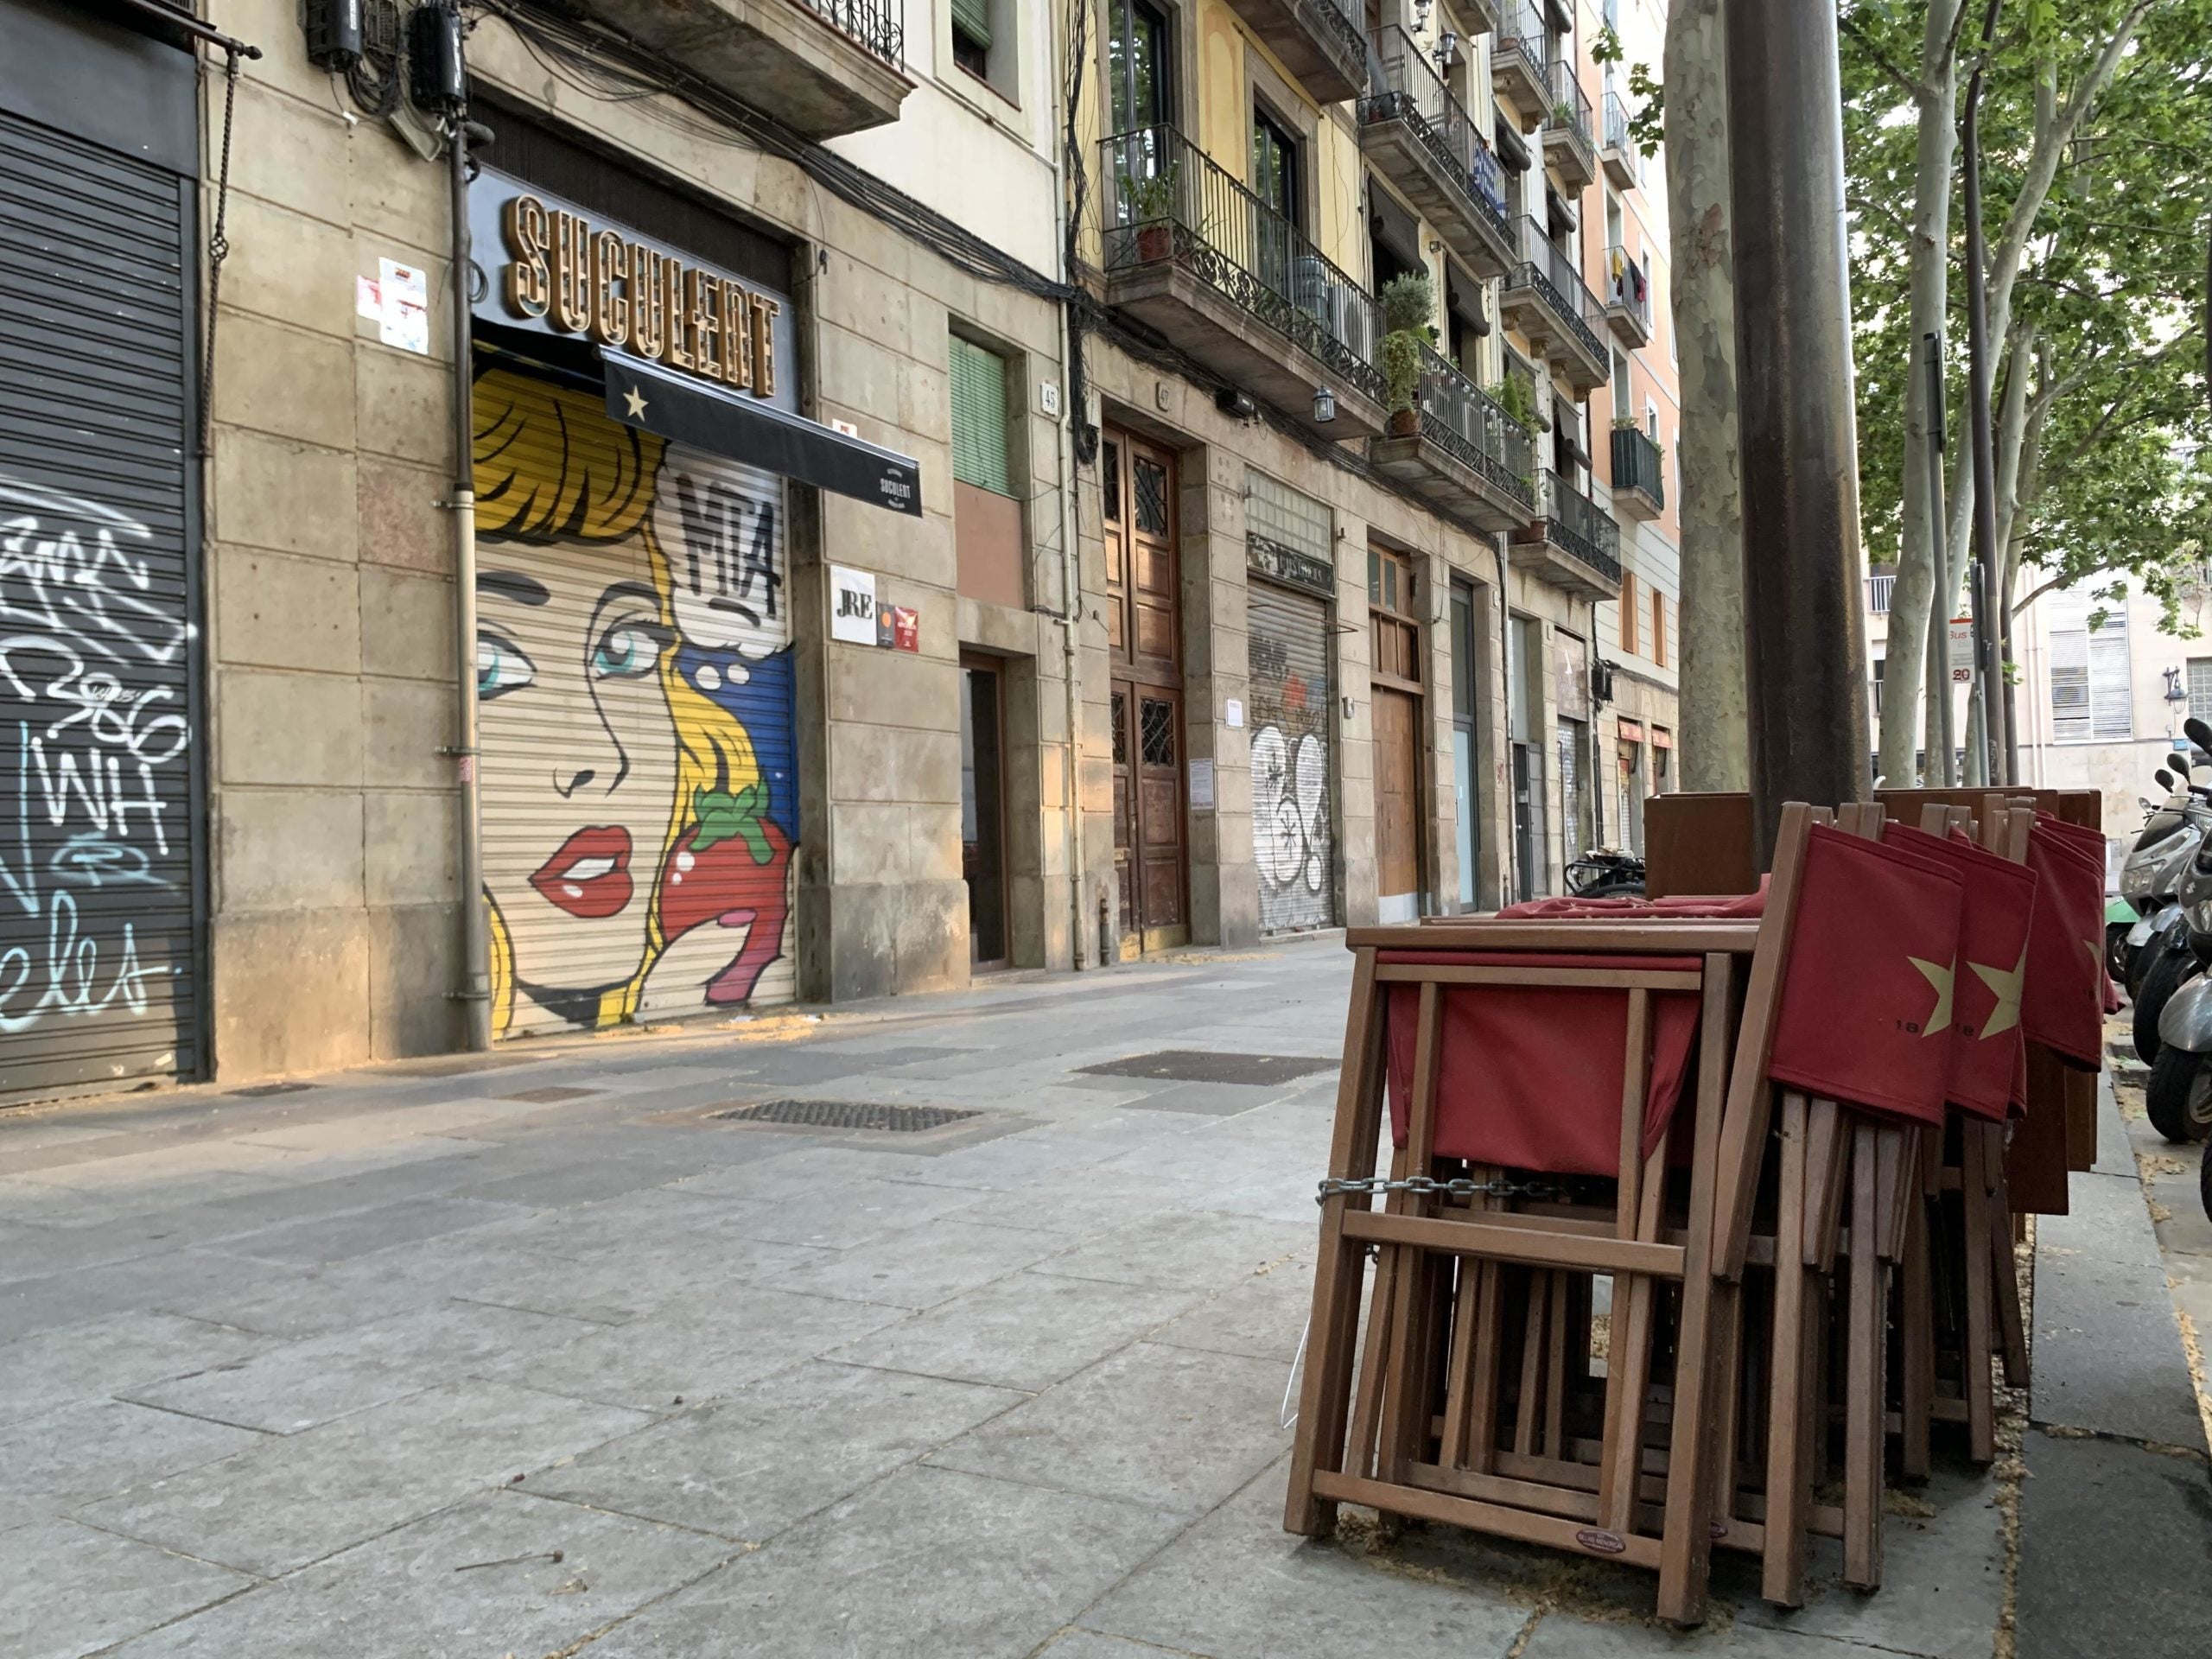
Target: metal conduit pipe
{"x":474,"y":993}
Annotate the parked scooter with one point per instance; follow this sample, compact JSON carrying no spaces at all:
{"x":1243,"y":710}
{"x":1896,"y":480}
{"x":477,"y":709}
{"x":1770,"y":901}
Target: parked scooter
{"x":1605,"y":872}
{"x":2180,"y":1093}
{"x":2156,"y":955}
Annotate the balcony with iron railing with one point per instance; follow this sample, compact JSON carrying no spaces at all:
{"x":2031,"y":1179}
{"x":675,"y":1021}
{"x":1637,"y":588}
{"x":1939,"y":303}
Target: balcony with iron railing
{"x":1422,"y":139}
{"x":1622,"y":164}
{"x":1546,"y":299}
{"x":1627,"y":297}
{"x":1460,"y":451}
{"x":1322,"y":43}
{"x":1639,"y":473}
{"x":1190,"y":252}
{"x":1570,"y":145}
{"x":822,"y":68}
{"x":1520,"y":60}
{"x":1877,"y":595}
{"x":1575,"y":544}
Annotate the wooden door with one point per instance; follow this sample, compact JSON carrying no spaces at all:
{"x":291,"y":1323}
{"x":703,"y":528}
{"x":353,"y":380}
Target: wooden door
{"x":1144,"y":637}
{"x":1397,"y":800}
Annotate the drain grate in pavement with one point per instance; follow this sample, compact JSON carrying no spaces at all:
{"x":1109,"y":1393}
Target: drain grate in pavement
{"x":847,"y":1115}
{"x":1200,"y":1065}
{"x":262,"y":1089}
{"x":548,"y":1095}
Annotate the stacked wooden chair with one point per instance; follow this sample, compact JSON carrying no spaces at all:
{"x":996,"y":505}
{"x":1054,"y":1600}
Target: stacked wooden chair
{"x":1592,"y":1099}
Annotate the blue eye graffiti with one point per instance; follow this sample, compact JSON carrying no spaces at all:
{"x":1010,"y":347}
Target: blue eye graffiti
{"x":627,"y":650}
{"x":501,"y":666}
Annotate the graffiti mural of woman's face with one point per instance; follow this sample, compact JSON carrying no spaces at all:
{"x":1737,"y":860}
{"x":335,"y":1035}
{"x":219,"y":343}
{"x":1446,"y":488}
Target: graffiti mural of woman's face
{"x":579,"y":760}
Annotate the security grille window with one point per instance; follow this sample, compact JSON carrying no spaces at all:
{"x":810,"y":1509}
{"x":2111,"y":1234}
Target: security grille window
{"x":1277,"y":514}
{"x":1878,"y":662}
{"x":1572,"y":736}
{"x":2092,"y":698}
{"x":2200,"y":687}
{"x":980,"y":427}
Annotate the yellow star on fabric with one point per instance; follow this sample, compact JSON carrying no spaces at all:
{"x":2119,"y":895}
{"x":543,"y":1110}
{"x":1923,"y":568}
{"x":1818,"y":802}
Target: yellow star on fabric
{"x":2006,"y":986}
{"x":1942,"y":977}
{"x":637,"y":401}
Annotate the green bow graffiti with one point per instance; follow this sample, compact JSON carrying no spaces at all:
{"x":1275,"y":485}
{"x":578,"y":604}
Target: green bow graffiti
{"x":724,"y":817}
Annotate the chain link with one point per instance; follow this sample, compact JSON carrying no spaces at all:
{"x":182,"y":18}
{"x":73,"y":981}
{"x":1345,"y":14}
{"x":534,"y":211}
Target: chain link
{"x":219,"y":247}
{"x":1460,"y":1186}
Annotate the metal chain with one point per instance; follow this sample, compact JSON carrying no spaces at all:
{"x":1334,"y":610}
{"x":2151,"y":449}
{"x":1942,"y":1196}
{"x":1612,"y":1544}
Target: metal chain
{"x":1458,"y":1187}
{"x":219,"y":247}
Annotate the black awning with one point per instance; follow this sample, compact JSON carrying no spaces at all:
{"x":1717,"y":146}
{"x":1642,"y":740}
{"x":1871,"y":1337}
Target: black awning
{"x":1512,"y":148}
{"x":1463,"y":297}
{"x":684,"y":410}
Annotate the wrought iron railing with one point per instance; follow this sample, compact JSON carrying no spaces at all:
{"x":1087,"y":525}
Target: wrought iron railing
{"x":1617,"y":134}
{"x":1521,"y":33}
{"x":1574,"y":521}
{"x":1570,"y":104}
{"x":1628,"y":285}
{"x":1165,"y":199}
{"x":1340,"y":20}
{"x":879,"y":25}
{"x":1406,"y":87}
{"x":1549,"y":270}
{"x":1473,"y":427}
{"x":1638,"y":465}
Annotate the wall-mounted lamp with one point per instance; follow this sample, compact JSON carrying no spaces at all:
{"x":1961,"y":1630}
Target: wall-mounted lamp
{"x":1422,"y":9}
{"x":1324,"y":405}
{"x":1447,"y":48}
{"x":1348,"y":707}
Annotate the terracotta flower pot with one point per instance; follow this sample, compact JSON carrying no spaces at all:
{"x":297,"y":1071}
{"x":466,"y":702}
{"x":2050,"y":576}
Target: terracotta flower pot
{"x":1405,"y":422}
{"x":1155,"y":243}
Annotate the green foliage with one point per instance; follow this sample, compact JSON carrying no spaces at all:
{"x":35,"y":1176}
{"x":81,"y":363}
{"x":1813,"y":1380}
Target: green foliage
{"x":1402,"y":357}
{"x":1646,"y":122}
{"x":1606,"y":48}
{"x":2109,"y":295}
{"x":1513,"y":395}
{"x":1408,"y":302}
{"x":1151,"y":196}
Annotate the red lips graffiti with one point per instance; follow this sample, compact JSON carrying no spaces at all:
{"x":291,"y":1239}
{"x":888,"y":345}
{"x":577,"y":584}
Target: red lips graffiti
{"x":589,"y":875}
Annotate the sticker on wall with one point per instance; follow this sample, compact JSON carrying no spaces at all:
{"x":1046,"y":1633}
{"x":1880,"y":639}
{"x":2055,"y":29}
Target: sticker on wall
{"x":1232,"y":713}
{"x":852,"y":605}
{"x":397,"y":300}
{"x":905,"y":628}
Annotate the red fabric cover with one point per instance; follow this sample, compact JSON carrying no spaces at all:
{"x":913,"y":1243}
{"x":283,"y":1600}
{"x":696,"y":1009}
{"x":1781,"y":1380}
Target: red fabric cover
{"x":1986,"y":1043}
{"x":1868,"y":977}
{"x":1530,"y":1076}
{"x":2063,"y":1008}
{"x":1708,"y":907}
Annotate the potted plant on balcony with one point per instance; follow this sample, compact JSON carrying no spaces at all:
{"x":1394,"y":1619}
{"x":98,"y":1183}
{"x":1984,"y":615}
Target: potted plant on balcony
{"x":1149,"y":199}
{"x":1513,"y":394}
{"x":1408,"y":302}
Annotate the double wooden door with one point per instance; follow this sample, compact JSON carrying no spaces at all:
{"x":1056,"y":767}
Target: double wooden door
{"x":1144,"y":638}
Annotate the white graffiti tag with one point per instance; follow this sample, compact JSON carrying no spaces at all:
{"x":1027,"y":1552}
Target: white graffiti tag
{"x":92,"y":741}
{"x":1290,"y":812}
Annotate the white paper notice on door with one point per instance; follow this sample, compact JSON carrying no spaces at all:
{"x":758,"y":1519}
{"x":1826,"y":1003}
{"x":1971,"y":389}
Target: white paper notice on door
{"x":1202,"y":784}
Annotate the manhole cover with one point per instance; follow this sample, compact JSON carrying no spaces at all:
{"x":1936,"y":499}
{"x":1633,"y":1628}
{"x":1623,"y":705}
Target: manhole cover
{"x":546,"y":1096}
{"x":261,"y":1088}
{"x":847,"y":1115}
{"x":1198,"y":1066}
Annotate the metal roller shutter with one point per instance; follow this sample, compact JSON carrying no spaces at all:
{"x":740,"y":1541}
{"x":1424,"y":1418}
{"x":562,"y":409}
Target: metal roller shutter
{"x":1292,"y":818}
{"x":100,"y":913}
{"x":639,"y":748}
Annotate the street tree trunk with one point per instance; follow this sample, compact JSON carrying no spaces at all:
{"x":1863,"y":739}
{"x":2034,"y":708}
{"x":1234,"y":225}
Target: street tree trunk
{"x":1713,"y":717}
{"x":1918,"y":601}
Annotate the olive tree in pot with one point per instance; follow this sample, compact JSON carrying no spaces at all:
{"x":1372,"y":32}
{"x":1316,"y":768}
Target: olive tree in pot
{"x":1408,"y":302}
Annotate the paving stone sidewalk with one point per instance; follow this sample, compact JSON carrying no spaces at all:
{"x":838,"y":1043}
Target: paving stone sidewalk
{"x":540,"y":1357}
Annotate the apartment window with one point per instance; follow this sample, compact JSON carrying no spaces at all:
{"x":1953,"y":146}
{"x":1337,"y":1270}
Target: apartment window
{"x":1624,"y":398}
{"x":1274,"y":165}
{"x":979,"y":419}
{"x":971,"y":36}
{"x":1628,"y":611}
{"x":1137,"y":65}
{"x":2200,"y":687}
{"x":1659,"y":627}
{"x":2092,"y":698}
{"x":1877,"y":689}
{"x":987,"y":515}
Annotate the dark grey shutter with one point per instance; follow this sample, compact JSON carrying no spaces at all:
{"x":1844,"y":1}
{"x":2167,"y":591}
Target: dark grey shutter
{"x":99,"y":819}
{"x":1293,"y":816}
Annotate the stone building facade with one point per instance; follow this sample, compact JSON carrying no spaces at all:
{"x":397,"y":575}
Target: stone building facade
{"x":834,"y":631}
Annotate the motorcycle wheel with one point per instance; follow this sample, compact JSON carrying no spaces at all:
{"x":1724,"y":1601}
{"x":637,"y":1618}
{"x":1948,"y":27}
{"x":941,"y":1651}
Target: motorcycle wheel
{"x":2204,"y":1182}
{"x":2116,"y":950}
{"x":1628,"y":889}
{"x":2180,"y":1095}
{"x":2166,"y":976}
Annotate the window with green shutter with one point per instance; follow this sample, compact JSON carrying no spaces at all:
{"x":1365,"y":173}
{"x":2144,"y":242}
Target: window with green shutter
{"x":979,"y":419}
{"x":972,"y":18}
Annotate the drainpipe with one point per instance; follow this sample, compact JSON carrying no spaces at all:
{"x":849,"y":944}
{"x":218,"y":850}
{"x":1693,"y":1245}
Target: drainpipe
{"x":1505,"y":710}
{"x":475,"y":994}
{"x":1070,"y":616}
